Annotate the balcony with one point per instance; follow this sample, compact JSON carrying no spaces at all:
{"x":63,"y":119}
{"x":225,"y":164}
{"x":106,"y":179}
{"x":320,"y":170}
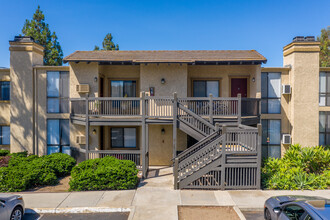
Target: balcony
{"x":131,"y":110}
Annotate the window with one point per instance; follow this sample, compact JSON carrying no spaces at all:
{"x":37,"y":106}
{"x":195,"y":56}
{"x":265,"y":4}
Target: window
{"x":120,"y":88}
{"x":4,"y":135}
{"x":4,"y":90}
{"x":324,"y":128}
{"x":123,"y":137}
{"x":58,"y":136}
{"x":324,"y":98}
{"x":293,"y":212}
{"x":270,"y":93}
{"x":58,"y":92}
{"x":203,"y":88}
{"x":271,"y":138}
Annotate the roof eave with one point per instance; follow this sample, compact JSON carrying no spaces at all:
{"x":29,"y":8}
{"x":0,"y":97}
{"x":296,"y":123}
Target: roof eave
{"x":165,"y":61}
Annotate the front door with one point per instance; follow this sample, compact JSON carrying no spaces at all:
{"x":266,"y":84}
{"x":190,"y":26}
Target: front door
{"x":239,"y":86}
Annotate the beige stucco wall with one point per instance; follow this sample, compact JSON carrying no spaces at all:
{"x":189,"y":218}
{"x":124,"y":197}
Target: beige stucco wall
{"x":175,"y":76}
{"x":83,"y":73}
{"x":225,"y":73}
{"x":161,"y":145}
{"x":304,"y":80}
{"x":119,"y":72}
{"x":22,"y":60}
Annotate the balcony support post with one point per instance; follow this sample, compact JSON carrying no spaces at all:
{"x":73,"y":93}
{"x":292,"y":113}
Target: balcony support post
{"x":87,"y":128}
{"x":176,"y":173}
{"x":211,"y":108}
{"x":175,"y":123}
{"x":239,"y":107}
{"x":144,"y":134}
{"x":259,"y":139}
{"x":147,"y":146}
{"x":223,"y":157}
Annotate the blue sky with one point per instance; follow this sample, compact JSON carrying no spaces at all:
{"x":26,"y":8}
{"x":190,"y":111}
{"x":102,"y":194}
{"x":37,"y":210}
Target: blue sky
{"x":265,"y":26}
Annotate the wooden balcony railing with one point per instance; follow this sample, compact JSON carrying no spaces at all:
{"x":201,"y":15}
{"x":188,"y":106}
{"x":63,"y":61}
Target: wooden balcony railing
{"x":133,"y":155}
{"x":162,"y":107}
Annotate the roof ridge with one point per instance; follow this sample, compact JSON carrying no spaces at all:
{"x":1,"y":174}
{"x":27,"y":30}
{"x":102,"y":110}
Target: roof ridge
{"x":156,"y":50}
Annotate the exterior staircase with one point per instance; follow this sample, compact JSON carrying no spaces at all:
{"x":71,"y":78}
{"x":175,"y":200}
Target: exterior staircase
{"x":223,"y":158}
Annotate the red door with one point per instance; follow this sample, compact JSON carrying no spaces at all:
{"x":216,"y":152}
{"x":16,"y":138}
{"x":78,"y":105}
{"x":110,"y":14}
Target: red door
{"x":239,"y":85}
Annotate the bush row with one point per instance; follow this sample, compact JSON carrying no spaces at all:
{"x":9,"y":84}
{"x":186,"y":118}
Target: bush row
{"x":107,"y":173}
{"x":300,"y":168}
{"x":25,"y":172}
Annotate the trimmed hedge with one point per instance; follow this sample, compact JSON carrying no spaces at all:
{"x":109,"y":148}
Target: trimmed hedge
{"x":26,"y":172}
{"x":300,"y":168}
{"x":108,"y":173}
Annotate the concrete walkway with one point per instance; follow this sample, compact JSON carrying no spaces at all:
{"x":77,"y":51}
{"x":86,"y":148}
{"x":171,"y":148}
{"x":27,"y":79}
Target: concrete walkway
{"x":155,"y":198}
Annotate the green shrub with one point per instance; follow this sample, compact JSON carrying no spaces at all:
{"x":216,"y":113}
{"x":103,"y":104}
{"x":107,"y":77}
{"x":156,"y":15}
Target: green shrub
{"x":4,"y":152}
{"x":107,"y":173}
{"x":31,"y":171}
{"x":19,"y":154}
{"x":62,"y":164}
{"x":300,"y":168}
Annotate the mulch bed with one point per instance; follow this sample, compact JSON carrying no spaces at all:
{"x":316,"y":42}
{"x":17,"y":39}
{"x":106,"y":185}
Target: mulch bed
{"x":4,"y":161}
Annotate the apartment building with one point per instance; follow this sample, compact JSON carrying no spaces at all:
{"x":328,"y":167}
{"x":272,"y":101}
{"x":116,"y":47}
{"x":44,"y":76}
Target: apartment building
{"x":167,"y":107}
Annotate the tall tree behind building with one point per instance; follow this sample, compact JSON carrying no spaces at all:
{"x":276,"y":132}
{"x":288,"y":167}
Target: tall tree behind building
{"x":39,"y":30}
{"x":108,"y":44}
{"x":325,"y":47}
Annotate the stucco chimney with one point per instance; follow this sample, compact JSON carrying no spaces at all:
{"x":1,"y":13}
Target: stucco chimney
{"x":24,"y":54}
{"x":302,"y":54}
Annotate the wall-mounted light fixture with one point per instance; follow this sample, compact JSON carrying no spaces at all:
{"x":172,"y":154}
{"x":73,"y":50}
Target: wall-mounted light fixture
{"x":95,"y":79}
{"x":94,"y":131}
{"x":163,"y":131}
{"x":163,"y":81}
{"x":253,"y":79}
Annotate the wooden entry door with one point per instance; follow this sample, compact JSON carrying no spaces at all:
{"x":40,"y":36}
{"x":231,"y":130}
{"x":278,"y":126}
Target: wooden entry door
{"x":239,"y":85}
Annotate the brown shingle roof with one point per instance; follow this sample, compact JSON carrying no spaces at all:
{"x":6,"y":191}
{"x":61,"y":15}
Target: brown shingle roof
{"x":155,"y":56}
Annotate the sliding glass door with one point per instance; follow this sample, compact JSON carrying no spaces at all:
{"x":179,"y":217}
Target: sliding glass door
{"x":203,"y":88}
{"x":123,"y":88}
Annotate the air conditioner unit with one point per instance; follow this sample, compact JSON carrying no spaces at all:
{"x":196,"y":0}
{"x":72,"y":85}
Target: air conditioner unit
{"x":286,"y":139}
{"x":82,"y":88}
{"x":286,"y":89}
{"x":80,"y":139}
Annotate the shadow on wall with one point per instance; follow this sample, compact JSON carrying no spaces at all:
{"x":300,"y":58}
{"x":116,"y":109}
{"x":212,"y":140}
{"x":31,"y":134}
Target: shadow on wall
{"x":22,"y":109}
{"x":77,"y":155}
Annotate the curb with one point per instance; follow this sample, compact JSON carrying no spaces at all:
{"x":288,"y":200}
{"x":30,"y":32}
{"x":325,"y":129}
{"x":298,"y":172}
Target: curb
{"x":251,"y":209}
{"x":75,"y":210}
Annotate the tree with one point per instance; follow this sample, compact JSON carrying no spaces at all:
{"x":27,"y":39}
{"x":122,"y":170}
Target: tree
{"x":39,"y":30}
{"x":325,"y":47}
{"x":108,"y":44}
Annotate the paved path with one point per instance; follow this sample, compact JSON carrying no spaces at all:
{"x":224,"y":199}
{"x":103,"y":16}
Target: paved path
{"x":155,"y":198}
{"x":84,"y":216}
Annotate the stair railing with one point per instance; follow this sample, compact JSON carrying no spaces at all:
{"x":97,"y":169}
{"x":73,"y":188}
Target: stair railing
{"x":199,"y":159}
{"x":195,"y":121}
